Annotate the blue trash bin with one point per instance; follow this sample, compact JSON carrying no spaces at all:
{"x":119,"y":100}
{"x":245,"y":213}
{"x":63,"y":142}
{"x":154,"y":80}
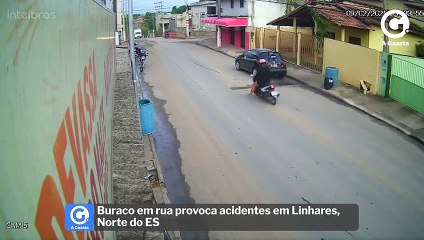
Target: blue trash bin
{"x":146,"y":116}
{"x":332,"y":73}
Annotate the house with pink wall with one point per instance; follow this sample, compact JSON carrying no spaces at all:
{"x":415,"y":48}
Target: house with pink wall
{"x":240,"y":17}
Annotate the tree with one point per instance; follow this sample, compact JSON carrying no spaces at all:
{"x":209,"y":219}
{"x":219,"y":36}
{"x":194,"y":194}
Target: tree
{"x":178,"y":10}
{"x":150,"y":18}
{"x":293,"y":4}
{"x":144,"y":29}
{"x":148,"y":24}
{"x":322,"y":24}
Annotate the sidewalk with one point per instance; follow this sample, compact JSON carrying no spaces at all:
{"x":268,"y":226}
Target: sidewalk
{"x":132,"y":154}
{"x":386,"y":110}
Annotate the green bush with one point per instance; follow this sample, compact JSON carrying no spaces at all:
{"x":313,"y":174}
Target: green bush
{"x":419,"y":49}
{"x":159,"y":32}
{"x":322,"y":23}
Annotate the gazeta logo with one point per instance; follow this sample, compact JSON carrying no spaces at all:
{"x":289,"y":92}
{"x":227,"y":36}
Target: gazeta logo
{"x":79,"y":217}
{"x":395,"y":23}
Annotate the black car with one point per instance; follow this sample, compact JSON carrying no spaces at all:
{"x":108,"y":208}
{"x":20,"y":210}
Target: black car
{"x":249,"y":61}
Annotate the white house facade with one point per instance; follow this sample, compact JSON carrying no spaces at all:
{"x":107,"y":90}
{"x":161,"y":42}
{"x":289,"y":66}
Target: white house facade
{"x":240,"y":17}
{"x":199,"y":10}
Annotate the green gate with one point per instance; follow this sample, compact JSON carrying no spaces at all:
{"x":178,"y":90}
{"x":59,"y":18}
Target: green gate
{"x":407,"y":81}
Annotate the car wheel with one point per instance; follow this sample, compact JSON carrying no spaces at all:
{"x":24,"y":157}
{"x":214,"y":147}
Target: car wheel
{"x":237,"y":65}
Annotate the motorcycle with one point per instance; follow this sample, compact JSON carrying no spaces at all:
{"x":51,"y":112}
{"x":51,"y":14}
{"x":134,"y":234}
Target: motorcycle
{"x":268,"y":93}
{"x":141,"y":57}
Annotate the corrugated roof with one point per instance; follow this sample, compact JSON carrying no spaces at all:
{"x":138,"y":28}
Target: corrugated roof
{"x":340,"y":19}
{"x":335,"y":12}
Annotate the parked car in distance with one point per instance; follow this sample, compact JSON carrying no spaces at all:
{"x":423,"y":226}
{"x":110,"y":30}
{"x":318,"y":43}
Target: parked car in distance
{"x":249,"y":61}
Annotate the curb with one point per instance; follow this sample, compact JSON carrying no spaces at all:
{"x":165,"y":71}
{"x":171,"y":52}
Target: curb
{"x":158,"y":186}
{"x":346,"y":101}
{"x":216,"y":50}
{"x":161,"y":197}
{"x":362,"y":109}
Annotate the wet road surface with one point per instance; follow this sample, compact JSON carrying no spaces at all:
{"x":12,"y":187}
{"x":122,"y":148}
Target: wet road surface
{"x":217,"y":144}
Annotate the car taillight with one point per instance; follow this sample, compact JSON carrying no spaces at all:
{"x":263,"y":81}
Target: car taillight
{"x":285,"y":62}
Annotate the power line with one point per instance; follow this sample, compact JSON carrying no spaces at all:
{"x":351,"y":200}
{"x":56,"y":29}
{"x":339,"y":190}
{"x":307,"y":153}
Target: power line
{"x":149,"y":9}
{"x":159,"y":6}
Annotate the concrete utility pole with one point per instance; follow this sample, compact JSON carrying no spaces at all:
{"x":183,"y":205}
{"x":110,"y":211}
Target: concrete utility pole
{"x":163,"y":27}
{"x":131,"y":35}
{"x":124,"y":21}
{"x":385,"y":38}
{"x":159,"y":6}
{"x":218,"y":28}
{"x":187,"y":20}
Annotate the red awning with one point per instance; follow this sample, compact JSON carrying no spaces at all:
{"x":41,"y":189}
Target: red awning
{"x":210,"y":20}
{"x":232,"y":22}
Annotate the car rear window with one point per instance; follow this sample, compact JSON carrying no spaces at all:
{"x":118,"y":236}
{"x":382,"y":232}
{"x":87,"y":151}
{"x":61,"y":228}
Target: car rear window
{"x":270,"y":56}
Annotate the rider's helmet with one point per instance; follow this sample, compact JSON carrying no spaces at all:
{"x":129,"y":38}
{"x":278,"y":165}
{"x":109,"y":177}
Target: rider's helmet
{"x":262,"y":63}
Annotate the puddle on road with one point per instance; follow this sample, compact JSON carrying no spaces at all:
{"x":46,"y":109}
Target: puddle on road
{"x":167,"y":146}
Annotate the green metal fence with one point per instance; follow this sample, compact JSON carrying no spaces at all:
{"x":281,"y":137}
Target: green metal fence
{"x":407,"y":81}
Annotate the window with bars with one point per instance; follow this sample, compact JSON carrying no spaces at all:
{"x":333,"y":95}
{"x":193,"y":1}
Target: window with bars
{"x":354,"y":40}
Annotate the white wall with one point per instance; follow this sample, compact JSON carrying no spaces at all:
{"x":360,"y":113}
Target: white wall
{"x":180,"y":20}
{"x":263,"y":11}
{"x":196,"y":12}
{"x":163,"y":18}
{"x":259,"y":12}
{"x":119,"y":20}
{"x":236,"y":11}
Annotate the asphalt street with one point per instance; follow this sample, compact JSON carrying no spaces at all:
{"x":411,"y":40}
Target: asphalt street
{"x":218,"y":144}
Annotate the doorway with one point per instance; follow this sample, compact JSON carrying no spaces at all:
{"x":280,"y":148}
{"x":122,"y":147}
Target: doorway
{"x":243,"y":37}
{"x":233,"y":36}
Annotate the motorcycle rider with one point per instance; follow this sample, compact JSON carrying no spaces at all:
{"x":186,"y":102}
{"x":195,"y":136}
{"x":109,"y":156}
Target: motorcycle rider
{"x":138,"y":49}
{"x":262,"y":77}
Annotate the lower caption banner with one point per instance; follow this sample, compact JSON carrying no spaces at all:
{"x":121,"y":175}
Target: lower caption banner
{"x":216,"y":217}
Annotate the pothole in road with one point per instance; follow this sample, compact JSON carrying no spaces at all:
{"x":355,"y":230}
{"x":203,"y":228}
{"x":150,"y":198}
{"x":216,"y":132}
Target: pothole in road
{"x":241,"y":88}
{"x":285,"y":82}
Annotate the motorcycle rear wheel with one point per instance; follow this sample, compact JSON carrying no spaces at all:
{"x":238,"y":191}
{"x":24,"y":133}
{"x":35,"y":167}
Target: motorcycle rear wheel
{"x":273,"y":100}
